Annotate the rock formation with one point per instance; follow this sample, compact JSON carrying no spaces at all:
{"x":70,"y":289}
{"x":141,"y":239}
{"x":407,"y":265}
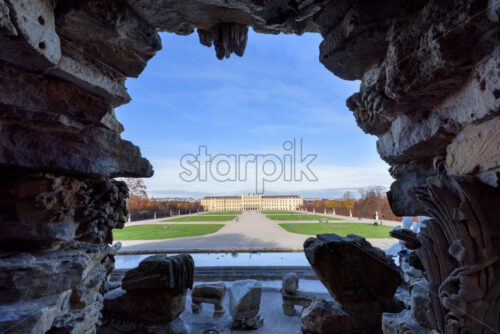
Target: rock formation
{"x":292,"y":296}
{"x":60,"y":146}
{"x":430,"y":92}
{"x":244,"y":304}
{"x":151,"y":298}
{"x":54,"y":256}
{"x":413,"y":292}
{"x":211,"y":294}
{"x":227,"y":38}
{"x":323,"y":317}
{"x":351,"y":269}
{"x":161,"y":272}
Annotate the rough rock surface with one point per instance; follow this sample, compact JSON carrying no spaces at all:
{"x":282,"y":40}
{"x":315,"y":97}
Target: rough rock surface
{"x":430,"y":92}
{"x":80,"y":131}
{"x":43,"y":209}
{"x":290,"y":283}
{"x":244,"y":304}
{"x":151,"y":297}
{"x":458,"y":253}
{"x":323,"y":317}
{"x":54,"y":256}
{"x":209,"y":291}
{"x":211,"y":294}
{"x":411,"y":266}
{"x":161,"y":272}
{"x":342,"y":264}
{"x":402,"y":323}
{"x":148,"y":306}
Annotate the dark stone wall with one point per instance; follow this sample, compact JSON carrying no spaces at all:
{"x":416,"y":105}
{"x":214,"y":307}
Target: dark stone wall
{"x":429,"y":91}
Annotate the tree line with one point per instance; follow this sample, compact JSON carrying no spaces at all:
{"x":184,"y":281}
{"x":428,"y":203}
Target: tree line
{"x":141,"y":207}
{"x":371,"y":200}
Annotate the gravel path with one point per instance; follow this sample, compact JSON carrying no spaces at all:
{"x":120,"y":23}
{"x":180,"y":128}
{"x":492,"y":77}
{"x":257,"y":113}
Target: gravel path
{"x":253,"y":231}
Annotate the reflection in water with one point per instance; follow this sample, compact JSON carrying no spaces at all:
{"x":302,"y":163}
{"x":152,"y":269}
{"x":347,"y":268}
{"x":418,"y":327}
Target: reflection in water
{"x":223,"y":259}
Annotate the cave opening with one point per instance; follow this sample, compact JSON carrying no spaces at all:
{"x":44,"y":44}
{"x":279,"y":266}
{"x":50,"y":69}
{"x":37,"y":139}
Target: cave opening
{"x":429,"y":92}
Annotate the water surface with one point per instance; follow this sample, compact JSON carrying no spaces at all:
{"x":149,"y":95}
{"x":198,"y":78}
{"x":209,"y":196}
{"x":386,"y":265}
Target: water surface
{"x":128,"y":261}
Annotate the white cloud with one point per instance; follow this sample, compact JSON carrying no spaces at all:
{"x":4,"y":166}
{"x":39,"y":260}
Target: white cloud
{"x":331,"y":179}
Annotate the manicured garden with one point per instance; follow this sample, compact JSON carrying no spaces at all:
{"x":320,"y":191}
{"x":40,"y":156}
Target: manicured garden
{"x":299,"y":217}
{"x":220,"y":213}
{"x":201,"y":218}
{"x":164,"y":231}
{"x":342,"y":229}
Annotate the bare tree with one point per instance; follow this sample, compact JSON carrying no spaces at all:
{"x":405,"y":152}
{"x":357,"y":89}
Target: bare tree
{"x":136,"y":187}
{"x":348,"y":195}
{"x":363,"y":192}
{"x":375,"y":192}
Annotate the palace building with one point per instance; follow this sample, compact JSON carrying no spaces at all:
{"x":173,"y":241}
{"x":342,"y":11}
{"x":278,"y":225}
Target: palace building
{"x":251,"y":202}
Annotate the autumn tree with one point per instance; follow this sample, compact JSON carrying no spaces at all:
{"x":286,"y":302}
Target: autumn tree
{"x":348,"y":201}
{"x":138,"y":196}
{"x":136,"y":188}
{"x":375,"y":192}
{"x":371,"y":199}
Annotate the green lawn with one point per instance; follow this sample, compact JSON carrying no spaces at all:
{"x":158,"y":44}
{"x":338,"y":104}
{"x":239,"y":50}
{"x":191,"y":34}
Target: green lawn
{"x":200,"y":218}
{"x":300,"y":217}
{"x":277,"y":212}
{"x":342,"y":229}
{"x":164,"y":231}
{"x":221,"y":213}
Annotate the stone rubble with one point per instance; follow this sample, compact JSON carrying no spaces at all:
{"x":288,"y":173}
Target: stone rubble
{"x":210,"y":294}
{"x":244,"y":304}
{"x":323,"y":317}
{"x":342,"y":264}
{"x":414,"y":292}
{"x":292,"y":296}
{"x":429,"y":90}
{"x":152,"y":296}
{"x":161,"y":272}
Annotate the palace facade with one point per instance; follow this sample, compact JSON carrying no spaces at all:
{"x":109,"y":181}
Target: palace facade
{"x":252,"y":202}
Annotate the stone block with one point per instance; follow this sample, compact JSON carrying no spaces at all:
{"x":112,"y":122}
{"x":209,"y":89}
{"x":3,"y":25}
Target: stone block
{"x":342,"y":264}
{"x":43,"y":209}
{"x":292,"y":296}
{"x":244,"y":304}
{"x":211,"y":294}
{"x":161,"y":272}
{"x":244,"y":299}
{"x":145,"y":305}
{"x":290,"y":283}
{"x":420,"y":302}
{"x":325,"y":317}
{"x":350,"y":268}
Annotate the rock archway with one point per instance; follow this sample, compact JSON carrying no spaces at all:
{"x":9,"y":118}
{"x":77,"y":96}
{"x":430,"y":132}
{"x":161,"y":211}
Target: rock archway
{"x":430,"y":91}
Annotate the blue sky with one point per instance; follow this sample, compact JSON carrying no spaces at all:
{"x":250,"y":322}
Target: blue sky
{"x":277,"y":91}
